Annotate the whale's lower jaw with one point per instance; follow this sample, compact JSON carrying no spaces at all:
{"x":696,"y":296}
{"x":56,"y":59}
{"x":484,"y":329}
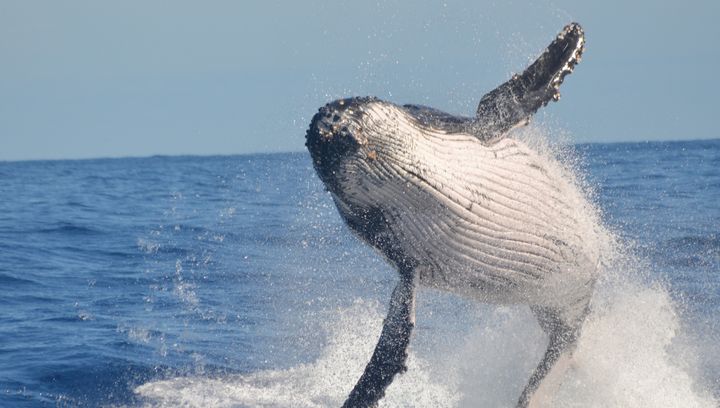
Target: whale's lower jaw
{"x":498,"y":223}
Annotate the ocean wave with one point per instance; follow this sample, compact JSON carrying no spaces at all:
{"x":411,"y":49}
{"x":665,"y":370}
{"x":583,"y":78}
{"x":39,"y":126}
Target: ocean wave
{"x":11,"y":281}
{"x":68,"y":228}
{"x":709,"y":242}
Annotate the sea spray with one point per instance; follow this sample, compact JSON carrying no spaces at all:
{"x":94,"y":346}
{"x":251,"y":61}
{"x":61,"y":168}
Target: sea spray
{"x":323,"y":383}
{"x":623,"y":359}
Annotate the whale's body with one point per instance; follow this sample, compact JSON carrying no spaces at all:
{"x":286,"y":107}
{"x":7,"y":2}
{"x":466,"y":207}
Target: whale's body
{"x":455,"y":204}
{"x":497,"y":222}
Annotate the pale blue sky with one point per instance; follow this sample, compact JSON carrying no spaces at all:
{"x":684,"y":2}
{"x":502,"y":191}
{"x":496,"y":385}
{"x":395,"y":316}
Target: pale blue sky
{"x":94,"y":78}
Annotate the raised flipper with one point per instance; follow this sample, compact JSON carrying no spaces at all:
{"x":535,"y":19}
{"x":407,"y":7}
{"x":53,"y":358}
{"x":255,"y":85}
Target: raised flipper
{"x":391,"y":351}
{"x":557,"y":359}
{"x":512,"y":103}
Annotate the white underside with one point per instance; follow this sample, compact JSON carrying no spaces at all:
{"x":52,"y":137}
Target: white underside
{"x":497,"y":223}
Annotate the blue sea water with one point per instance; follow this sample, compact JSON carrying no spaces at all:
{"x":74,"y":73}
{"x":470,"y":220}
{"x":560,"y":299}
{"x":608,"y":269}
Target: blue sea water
{"x":219,"y":281}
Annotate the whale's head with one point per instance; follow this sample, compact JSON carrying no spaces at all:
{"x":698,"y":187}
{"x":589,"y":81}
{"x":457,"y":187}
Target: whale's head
{"x":348,"y":140}
{"x":362,"y":150}
{"x":337,"y":141}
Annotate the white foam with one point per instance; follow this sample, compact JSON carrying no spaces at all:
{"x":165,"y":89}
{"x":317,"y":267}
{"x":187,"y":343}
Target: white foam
{"x":633,"y":352}
{"x":322,"y":383}
{"x":624,"y":359}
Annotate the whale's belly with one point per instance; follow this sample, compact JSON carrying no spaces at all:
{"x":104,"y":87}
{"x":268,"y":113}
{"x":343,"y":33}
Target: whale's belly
{"x":497,"y":223}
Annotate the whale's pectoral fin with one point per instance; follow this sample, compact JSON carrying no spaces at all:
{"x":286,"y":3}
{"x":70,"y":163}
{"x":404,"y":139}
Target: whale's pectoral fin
{"x":512,"y":103}
{"x":391,"y":350}
{"x":547,"y":376}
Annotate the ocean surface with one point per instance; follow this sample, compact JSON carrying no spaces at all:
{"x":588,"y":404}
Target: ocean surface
{"x":231,"y":281}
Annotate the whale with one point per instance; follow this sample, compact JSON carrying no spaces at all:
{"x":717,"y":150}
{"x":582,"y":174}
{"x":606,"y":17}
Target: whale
{"x":464,"y":205}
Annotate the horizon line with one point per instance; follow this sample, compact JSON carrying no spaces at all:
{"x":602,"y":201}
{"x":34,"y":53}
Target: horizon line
{"x":281,"y":152}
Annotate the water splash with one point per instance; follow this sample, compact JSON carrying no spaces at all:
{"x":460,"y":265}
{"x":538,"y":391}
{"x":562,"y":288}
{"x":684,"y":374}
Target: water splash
{"x":322,"y":383}
{"x":626,"y":357}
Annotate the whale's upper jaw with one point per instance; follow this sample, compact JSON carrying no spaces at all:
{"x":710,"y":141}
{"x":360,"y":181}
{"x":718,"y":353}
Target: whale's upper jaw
{"x":335,"y":136}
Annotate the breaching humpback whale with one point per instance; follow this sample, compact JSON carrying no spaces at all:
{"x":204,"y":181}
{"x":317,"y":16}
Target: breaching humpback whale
{"x":458,"y":204}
